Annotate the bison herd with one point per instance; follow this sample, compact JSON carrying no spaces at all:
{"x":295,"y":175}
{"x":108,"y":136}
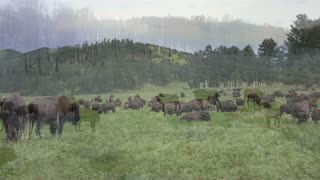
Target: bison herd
{"x":56,"y":110}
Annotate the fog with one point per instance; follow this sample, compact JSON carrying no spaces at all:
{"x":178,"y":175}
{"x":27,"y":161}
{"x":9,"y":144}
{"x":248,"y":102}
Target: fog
{"x":27,"y":25}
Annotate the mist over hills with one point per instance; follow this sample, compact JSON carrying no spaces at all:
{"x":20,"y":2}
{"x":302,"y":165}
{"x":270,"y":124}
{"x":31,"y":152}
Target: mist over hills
{"x":28,"y":26}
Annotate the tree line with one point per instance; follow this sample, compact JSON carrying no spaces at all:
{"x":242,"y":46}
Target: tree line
{"x":114,"y":64}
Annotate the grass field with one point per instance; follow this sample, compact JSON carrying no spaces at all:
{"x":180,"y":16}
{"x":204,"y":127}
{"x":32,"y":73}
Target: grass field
{"x":146,"y":145}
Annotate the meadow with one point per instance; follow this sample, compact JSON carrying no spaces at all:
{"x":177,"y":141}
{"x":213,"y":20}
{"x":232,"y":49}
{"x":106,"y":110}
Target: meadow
{"x":142,"y":144}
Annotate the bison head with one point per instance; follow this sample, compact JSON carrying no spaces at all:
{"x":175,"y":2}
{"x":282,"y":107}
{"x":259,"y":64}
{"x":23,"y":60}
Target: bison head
{"x":74,"y":108}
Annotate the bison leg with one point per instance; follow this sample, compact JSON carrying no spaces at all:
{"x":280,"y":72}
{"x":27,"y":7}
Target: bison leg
{"x":22,"y":126}
{"x":38,"y":127}
{"x":32,"y":121}
{"x":164,"y":109}
{"x":53,"y":128}
{"x":61,"y":124}
{"x":201,"y":104}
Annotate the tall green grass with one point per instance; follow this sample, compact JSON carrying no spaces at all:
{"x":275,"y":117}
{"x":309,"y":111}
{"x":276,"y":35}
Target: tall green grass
{"x":146,"y":145}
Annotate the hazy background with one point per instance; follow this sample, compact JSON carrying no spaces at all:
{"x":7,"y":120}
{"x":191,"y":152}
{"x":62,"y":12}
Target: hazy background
{"x":182,"y":24}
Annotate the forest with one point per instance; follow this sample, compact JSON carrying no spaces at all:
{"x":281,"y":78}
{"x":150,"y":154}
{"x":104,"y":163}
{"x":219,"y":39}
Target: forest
{"x":122,"y":64}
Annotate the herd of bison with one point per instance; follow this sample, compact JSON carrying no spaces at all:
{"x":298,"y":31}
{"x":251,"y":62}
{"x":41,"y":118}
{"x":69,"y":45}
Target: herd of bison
{"x":56,"y":110}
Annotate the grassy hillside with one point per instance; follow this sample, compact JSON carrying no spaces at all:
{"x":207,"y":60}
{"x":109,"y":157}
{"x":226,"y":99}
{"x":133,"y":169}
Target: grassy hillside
{"x":146,"y":145}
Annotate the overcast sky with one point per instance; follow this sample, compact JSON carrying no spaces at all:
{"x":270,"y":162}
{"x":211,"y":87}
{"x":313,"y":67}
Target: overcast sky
{"x":274,"y":12}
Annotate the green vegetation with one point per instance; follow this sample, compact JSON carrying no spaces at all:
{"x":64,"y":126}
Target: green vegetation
{"x":204,"y":93}
{"x":141,"y":144}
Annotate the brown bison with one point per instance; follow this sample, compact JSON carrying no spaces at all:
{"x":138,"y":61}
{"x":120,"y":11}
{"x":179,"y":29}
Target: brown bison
{"x":315,"y":115}
{"x":135,"y":104}
{"x":286,"y":108}
{"x":301,"y":112}
{"x":253,"y":97}
{"x":163,"y":99}
{"x":96,"y":107}
{"x":52,"y":111}
{"x":226,"y":106}
{"x":197,"y":116}
{"x":87,"y":104}
{"x":110,"y":100}
{"x":239,"y":102}
{"x":14,"y":114}
{"x":266,"y":105}
{"x":97,"y":99}
{"x":104,"y":108}
{"x":81,"y":101}
{"x":278,"y":94}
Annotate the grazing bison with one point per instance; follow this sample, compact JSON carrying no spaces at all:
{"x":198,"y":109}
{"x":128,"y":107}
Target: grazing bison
{"x":135,"y":104}
{"x":81,"y":101}
{"x":14,"y":114}
{"x":266,"y":105}
{"x":164,"y":99}
{"x":156,"y":107}
{"x":52,"y":111}
{"x":118,"y":102}
{"x":296,"y":99}
{"x":96,"y":107}
{"x":315,"y":95}
{"x":111,"y":100}
{"x":257,"y":92}
{"x":197,"y":116}
{"x":308,"y":86}
{"x":301,"y":112}
{"x":278,"y":94}
{"x":236,"y":92}
{"x":226,"y":106}
{"x":286,"y":108}
{"x":139,"y":100}
{"x":269,"y":98}
{"x":253,"y":97}
{"x":87,"y":104}
{"x":291,"y":93}
{"x":97,"y":99}
{"x":239,"y":102}
{"x":104,"y":108}
{"x":312,"y":104}
{"x":203,"y":94}
{"x":315,"y":115}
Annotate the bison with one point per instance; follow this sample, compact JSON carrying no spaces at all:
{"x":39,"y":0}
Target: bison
{"x":81,"y":101}
{"x":286,"y":108}
{"x":301,"y":112}
{"x":97,"y":99}
{"x":197,"y":116}
{"x":278,"y":94}
{"x":239,"y":102}
{"x":14,"y":114}
{"x":253,"y":97}
{"x":266,"y":105}
{"x":315,"y":115}
{"x":226,"y":106}
{"x":52,"y":111}
{"x":163,"y":99}
{"x":104,"y":108}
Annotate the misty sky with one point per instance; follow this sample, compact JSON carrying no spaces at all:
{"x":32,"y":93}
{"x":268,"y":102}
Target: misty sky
{"x":274,"y":12}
